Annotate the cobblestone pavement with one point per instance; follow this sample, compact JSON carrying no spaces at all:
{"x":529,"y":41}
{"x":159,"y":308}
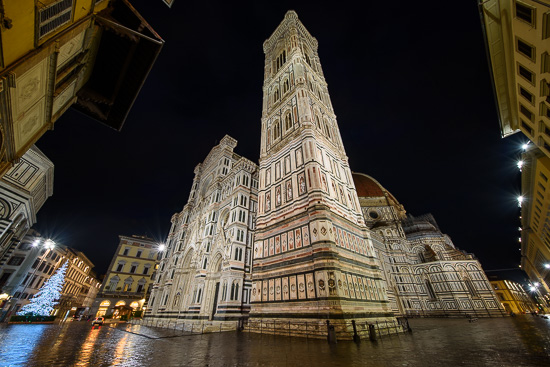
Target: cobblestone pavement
{"x":516,"y":341}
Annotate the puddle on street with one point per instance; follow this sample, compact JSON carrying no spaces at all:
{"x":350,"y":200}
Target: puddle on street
{"x":518,"y":341}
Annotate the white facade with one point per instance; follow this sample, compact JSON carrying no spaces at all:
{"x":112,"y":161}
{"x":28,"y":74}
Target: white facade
{"x":205,"y":273}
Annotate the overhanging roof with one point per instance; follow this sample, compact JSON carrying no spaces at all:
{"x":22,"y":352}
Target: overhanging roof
{"x":126,"y":53}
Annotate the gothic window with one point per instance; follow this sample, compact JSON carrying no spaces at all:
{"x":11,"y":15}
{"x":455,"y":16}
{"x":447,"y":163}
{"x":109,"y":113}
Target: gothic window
{"x":286,"y":86}
{"x":234,"y":291}
{"x":280,"y":61}
{"x":307,"y":59}
{"x":199,"y":296}
{"x":224,"y":290}
{"x":276,"y":95}
{"x":327,"y":130}
{"x":276,"y":130}
{"x":317,"y":122}
{"x":288,"y":121}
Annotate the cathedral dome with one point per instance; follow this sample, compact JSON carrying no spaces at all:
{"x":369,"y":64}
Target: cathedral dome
{"x":366,"y":186}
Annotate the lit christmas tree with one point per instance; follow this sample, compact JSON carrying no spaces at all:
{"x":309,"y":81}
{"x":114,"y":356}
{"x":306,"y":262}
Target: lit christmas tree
{"x":43,"y":301}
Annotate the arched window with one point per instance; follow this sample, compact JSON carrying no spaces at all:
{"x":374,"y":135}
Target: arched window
{"x":288,"y":121}
{"x":276,"y":130}
{"x":327,"y":130}
{"x":286,"y":86}
{"x":317,"y":122}
{"x":276,"y":95}
{"x":199,"y":295}
{"x":224,"y":290}
{"x":232,"y":291}
{"x":236,"y":290}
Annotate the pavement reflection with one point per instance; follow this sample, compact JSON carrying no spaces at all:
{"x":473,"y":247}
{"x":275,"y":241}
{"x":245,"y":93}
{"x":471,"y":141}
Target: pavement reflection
{"x":519,"y":341}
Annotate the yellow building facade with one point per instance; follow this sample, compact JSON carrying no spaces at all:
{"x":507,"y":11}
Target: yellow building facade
{"x":127,"y":284}
{"x":513,"y":297}
{"x":52,"y":56}
{"x":517,"y":36}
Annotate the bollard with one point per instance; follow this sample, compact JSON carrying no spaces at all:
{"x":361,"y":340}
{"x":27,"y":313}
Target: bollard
{"x":356,"y":337}
{"x":372,"y":332}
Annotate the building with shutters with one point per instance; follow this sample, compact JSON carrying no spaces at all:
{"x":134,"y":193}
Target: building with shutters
{"x":517,"y":37}
{"x":128,"y":281}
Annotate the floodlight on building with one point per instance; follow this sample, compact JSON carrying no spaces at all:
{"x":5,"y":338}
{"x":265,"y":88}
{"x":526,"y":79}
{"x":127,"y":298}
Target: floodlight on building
{"x":161,"y":247}
{"x":520,"y":229}
{"x":520,"y":165}
{"x":547,"y":266}
{"x":36,"y":242}
{"x":521,"y":199}
{"x":536,"y":284}
{"x":49,"y":244}
{"x":519,"y":239}
{"x":525,"y":146}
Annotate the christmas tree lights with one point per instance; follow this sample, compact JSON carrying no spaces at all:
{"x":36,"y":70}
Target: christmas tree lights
{"x":47,"y":297}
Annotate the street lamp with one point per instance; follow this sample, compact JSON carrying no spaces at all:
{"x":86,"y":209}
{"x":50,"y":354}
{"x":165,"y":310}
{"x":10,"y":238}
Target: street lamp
{"x":521,"y":199}
{"x":520,"y":165}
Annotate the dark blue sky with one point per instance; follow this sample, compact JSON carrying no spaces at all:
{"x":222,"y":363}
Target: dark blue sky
{"x":409,"y":83}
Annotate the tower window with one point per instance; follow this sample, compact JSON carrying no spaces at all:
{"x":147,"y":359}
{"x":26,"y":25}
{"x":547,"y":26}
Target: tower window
{"x":276,"y":131}
{"x":276,"y":95}
{"x":280,"y":61}
{"x":286,"y":86}
{"x":288,"y":121}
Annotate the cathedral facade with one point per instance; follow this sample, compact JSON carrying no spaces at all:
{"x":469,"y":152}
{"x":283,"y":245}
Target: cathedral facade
{"x":298,"y":239}
{"x":205,"y":271}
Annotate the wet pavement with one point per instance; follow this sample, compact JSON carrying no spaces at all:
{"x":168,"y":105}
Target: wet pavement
{"x":517,"y":341}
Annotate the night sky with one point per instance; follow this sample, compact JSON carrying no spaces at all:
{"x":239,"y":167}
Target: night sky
{"x":409,"y":83}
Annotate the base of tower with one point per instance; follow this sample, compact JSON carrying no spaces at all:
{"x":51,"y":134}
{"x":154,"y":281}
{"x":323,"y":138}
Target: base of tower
{"x":331,"y":329}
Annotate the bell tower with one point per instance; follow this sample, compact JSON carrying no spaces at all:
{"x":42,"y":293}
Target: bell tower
{"x":313,"y":257}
